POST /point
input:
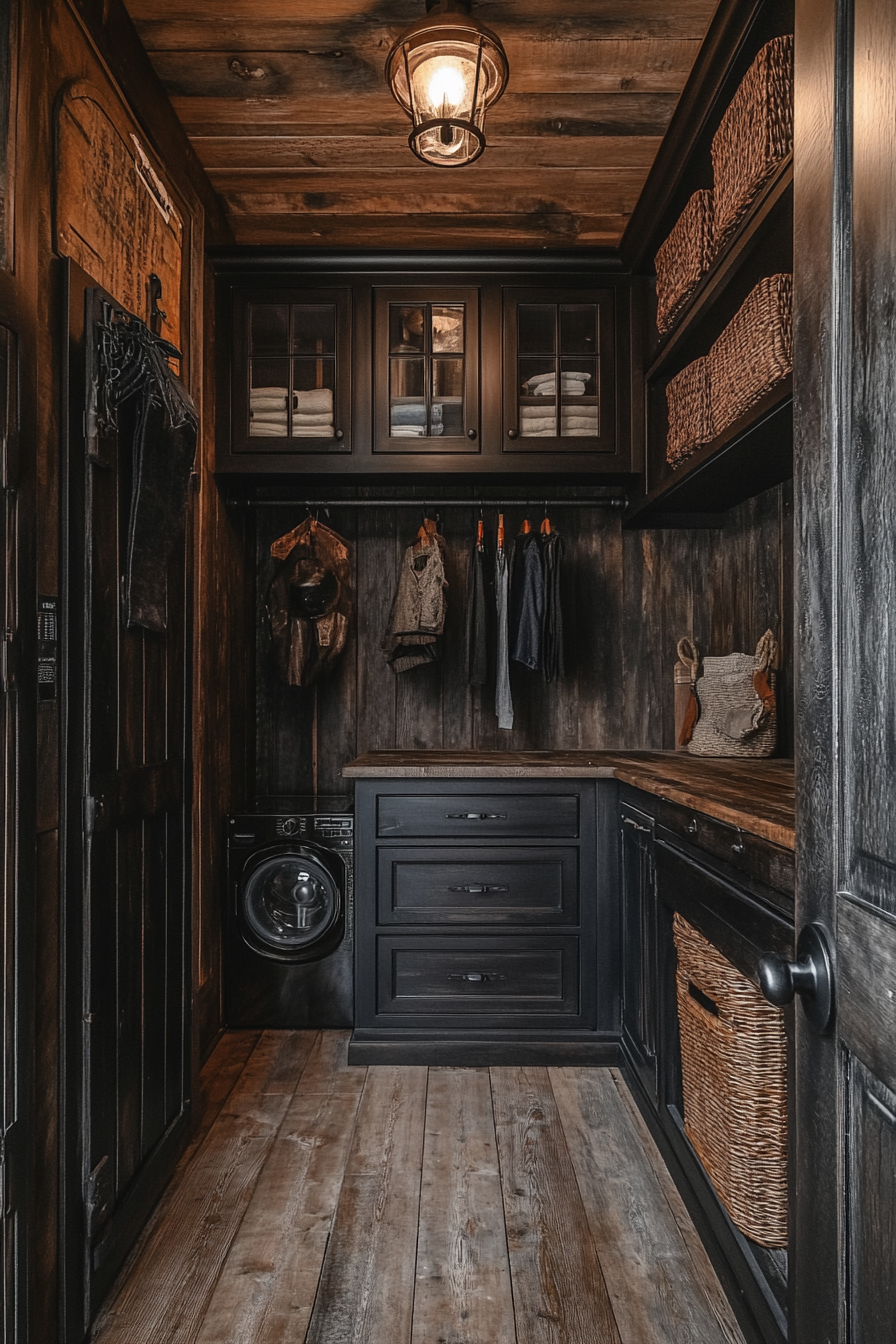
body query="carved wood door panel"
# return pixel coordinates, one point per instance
(845, 338)
(128, 943)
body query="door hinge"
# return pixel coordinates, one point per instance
(95, 814)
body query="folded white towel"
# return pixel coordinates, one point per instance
(312, 417)
(281, 393)
(312, 432)
(568, 375)
(580, 421)
(550, 390)
(319, 399)
(545, 422)
(267, 432)
(406, 431)
(538, 433)
(578, 433)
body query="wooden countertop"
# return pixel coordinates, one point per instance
(757, 796)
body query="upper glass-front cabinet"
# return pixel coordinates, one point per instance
(426, 371)
(292, 374)
(558, 371)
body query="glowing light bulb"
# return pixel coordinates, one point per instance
(446, 87)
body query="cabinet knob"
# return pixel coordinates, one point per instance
(511, 433)
(479, 890)
(471, 433)
(475, 816)
(340, 434)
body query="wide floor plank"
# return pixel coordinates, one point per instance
(558, 1288)
(646, 1264)
(366, 1288)
(165, 1296)
(463, 1293)
(267, 1287)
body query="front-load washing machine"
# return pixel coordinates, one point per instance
(288, 923)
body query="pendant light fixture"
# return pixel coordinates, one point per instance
(446, 72)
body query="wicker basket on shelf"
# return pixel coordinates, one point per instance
(754, 136)
(684, 258)
(734, 1079)
(690, 422)
(754, 352)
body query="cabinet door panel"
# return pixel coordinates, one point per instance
(291, 373)
(426, 370)
(525, 885)
(559, 371)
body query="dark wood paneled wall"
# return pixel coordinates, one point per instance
(628, 597)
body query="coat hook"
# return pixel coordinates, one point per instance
(156, 316)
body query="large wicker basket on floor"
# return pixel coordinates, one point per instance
(754, 352)
(734, 1078)
(689, 402)
(684, 258)
(754, 136)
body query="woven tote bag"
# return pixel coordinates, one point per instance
(736, 698)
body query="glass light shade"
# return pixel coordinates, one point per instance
(446, 72)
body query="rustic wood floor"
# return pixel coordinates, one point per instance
(329, 1204)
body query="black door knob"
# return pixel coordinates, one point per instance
(471, 433)
(810, 976)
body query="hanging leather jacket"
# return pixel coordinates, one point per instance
(309, 601)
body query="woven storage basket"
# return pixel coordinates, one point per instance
(690, 422)
(684, 258)
(734, 720)
(754, 136)
(734, 1078)
(754, 352)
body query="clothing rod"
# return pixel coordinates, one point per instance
(532, 502)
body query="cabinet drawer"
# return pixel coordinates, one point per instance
(759, 858)
(472, 974)
(520, 885)
(537, 816)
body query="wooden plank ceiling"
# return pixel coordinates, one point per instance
(287, 107)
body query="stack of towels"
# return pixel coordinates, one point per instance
(575, 421)
(312, 413)
(579, 422)
(408, 419)
(545, 384)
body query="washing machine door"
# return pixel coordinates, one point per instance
(291, 904)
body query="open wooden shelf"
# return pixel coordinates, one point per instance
(753, 454)
(772, 206)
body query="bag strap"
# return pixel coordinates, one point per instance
(690, 656)
(766, 652)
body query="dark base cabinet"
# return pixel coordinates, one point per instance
(481, 932)
(737, 890)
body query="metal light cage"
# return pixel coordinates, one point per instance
(448, 51)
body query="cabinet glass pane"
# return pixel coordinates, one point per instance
(268, 398)
(538, 398)
(447, 397)
(578, 329)
(580, 408)
(537, 328)
(269, 328)
(407, 400)
(314, 328)
(448, 328)
(314, 383)
(407, 329)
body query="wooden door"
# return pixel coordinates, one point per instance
(845, 379)
(126, 892)
(13, 965)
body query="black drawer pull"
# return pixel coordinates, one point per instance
(692, 826)
(477, 977)
(628, 821)
(478, 890)
(475, 816)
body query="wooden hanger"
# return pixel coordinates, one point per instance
(500, 531)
